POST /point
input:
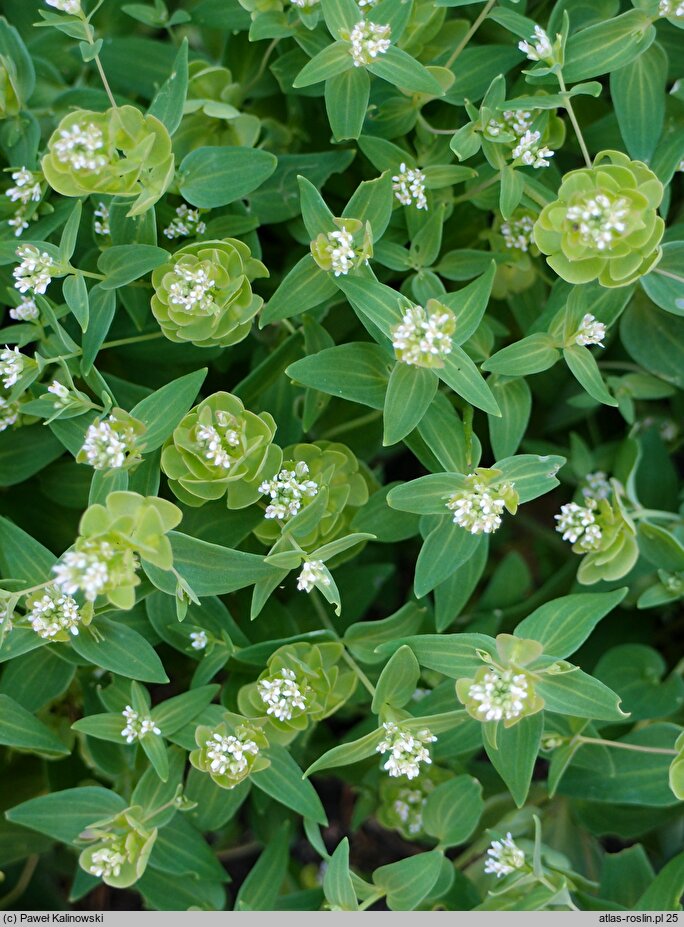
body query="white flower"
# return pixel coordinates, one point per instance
(82, 148)
(107, 443)
(479, 509)
(599, 219)
(101, 217)
(517, 233)
(199, 639)
(366, 4)
(137, 725)
(62, 394)
(187, 221)
(539, 47)
(26, 311)
(54, 612)
(216, 442)
(340, 251)
(11, 366)
(312, 572)
(35, 271)
(87, 570)
(227, 753)
(577, 524)
(502, 694)
(504, 857)
(27, 188)
(192, 289)
(517, 121)
(530, 152)
(9, 413)
(671, 8)
(368, 40)
(597, 486)
(408, 807)
(283, 695)
(590, 331)
(304, 4)
(287, 491)
(18, 222)
(423, 338)
(108, 861)
(409, 186)
(407, 750)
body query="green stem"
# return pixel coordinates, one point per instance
(22, 883)
(573, 119)
(667, 273)
(430, 128)
(369, 901)
(135, 340)
(349, 660)
(354, 423)
(470, 33)
(468, 433)
(655, 513)
(636, 748)
(264, 61)
(536, 197)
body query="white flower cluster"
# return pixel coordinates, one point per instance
(597, 486)
(480, 508)
(107, 443)
(108, 861)
(199, 640)
(366, 4)
(9, 413)
(671, 8)
(304, 4)
(54, 612)
(34, 273)
(340, 251)
(66, 6)
(137, 725)
(409, 186)
(539, 47)
(187, 221)
(516, 121)
(87, 570)
(216, 441)
(228, 753)
(420, 338)
(61, 393)
(517, 233)
(590, 331)
(504, 857)
(312, 573)
(11, 366)
(577, 524)
(599, 219)
(407, 750)
(282, 694)
(501, 694)
(531, 152)
(101, 220)
(287, 490)
(26, 191)
(82, 148)
(26, 311)
(192, 288)
(408, 807)
(368, 40)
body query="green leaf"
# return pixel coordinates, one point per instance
(453, 809)
(102, 309)
(332, 60)
(409, 880)
(580, 695)
(665, 284)
(512, 189)
(515, 401)
(454, 655)
(346, 102)
(181, 851)
(122, 264)
(216, 176)
(347, 753)
(410, 391)
(260, 890)
(564, 624)
(363, 637)
(397, 681)
(76, 297)
(103, 726)
(469, 304)
(463, 377)
(531, 355)
(583, 366)
(180, 710)
(638, 95)
(372, 202)
(447, 547)
(283, 781)
(169, 100)
(517, 748)
(607, 46)
(399, 68)
(20, 729)
(427, 495)
(66, 814)
(665, 892)
(533, 474)
(655, 340)
(22, 557)
(163, 410)
(358, 372)
(660, 548)
(304, 287)
(337, 882)
(25, 452)
(121, 650)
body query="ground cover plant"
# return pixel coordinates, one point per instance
(341, 391)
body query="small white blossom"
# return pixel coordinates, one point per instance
(599, 219)
(187, 221)
(82, 148)
(409, 807)
(578, 525)
(27, 188)
(192, 289)
(530, 152)
(107, 443)
(137, 725)
(341, 251)
(407, 750)
(26, 311)
(282, 694)
(216, 441)
(287, 491)
(61, 393)
(539, 47)
(228, 754)
(54, 612)
(11, 366)
(516, 121)
(312, 572)
(101, 220)
(597, 486)
(366, 4)
(517, 233)
(590, 331)
(368, 40)
(501, 694)
(34, 273)
(9, 413)
(409, 186)
(304, 4)
(199, 640)
(108, 861)
(479, 509)
(673, 8)
(423, 338)
(504, 857)
(86, 570)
